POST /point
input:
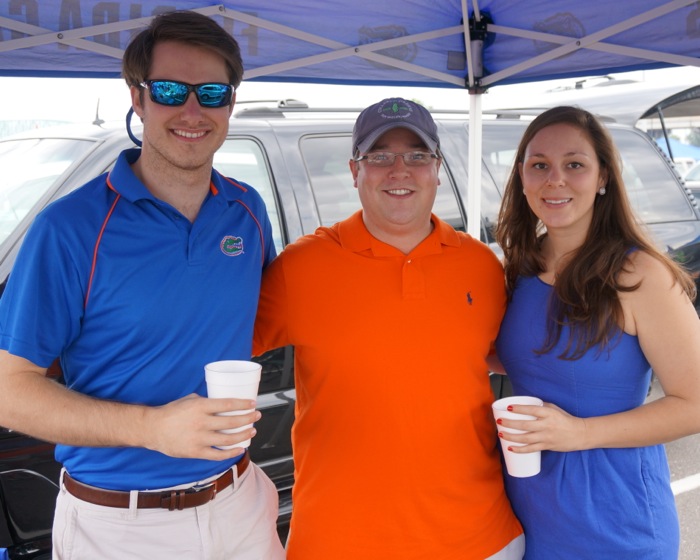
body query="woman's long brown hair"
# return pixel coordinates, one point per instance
(585, 296)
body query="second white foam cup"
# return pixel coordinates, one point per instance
(517, 464)
(237, 379)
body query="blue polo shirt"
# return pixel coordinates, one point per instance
(135, 299)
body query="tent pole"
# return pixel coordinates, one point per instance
(475, 29)
(474, 167)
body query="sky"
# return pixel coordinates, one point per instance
(76, 99)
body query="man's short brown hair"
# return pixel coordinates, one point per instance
(183, 26)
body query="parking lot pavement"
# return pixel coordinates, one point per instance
(689, 514)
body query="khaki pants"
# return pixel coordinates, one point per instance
(239, 524)
(514, 551)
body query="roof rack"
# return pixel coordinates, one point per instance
(280, 108)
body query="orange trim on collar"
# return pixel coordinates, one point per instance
(234, 183)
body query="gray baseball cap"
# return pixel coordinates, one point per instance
(390, 113)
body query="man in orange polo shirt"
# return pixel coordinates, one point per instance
(392, 314)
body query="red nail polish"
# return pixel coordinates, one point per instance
(510, 449)
(499, 421)
(510, 408)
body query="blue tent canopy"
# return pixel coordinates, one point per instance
(471, 44)
(393, 42)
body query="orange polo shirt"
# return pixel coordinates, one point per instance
(394, 443)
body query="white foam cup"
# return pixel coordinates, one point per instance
(517, 464)
(237, 379)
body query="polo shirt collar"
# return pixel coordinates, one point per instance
(123, 180)
(354, 236)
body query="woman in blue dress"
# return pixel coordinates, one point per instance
(594, 308)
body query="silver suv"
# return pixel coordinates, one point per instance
(298, 160)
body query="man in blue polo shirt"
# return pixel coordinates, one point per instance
(136, 281)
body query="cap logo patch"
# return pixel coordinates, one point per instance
(232, 246)
(395, 109)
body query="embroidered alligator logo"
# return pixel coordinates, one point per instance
(232, 246)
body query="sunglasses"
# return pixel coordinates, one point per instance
(175, 94)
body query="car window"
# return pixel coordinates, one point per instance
(446, 206)
(326, 159)
(498, 147)
(490, 206)
(651, 187)
(243, 159)
(29, 170)
(693, 174)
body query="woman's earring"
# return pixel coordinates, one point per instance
(601, 191)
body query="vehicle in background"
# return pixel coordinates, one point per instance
(297, 158)
(692, 180)
(683, 164)
(666, 112)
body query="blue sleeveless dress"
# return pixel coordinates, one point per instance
(595, 504)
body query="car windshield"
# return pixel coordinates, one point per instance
(30, 169)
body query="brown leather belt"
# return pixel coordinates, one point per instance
(167, 499)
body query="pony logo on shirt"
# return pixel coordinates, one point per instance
(232, 246)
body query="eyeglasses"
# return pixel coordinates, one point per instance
(174, 94)
(386, 159)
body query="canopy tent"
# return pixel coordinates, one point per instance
(392, 42)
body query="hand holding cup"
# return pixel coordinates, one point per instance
(233, 379)
(517, 464)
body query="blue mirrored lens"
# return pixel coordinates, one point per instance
(213, 95)
(167, 92)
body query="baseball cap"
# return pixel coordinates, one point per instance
(390, 113)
